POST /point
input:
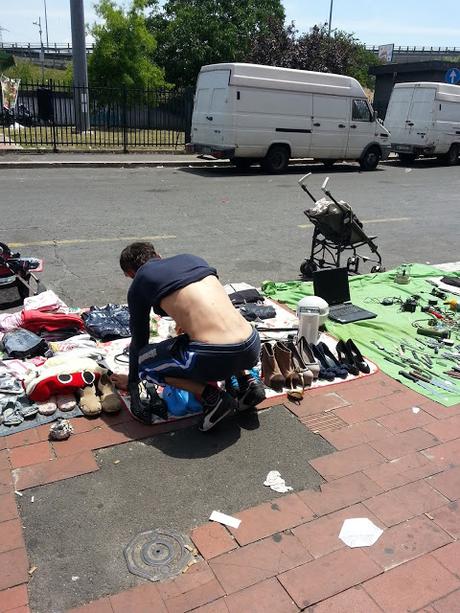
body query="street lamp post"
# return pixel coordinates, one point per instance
(330, 16)
(42, 51)
(46, 27)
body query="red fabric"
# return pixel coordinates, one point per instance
(36, 321)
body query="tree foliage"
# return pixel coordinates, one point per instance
(192, 33)
(340, 53)
(123, 50)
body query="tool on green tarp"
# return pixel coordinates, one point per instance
(378, 345)
(422, 384)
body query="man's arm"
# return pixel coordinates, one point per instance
(139, 322)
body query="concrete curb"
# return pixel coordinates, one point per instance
(114, 164)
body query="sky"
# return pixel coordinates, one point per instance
(402, 22)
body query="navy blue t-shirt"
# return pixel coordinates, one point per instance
(155, 280)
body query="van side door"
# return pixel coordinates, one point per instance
(362, 128)
(330, 126)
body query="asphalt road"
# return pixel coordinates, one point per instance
(249, 225)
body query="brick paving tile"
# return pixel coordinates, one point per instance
(404, 399)
(55, 470)
(448, 604)
(412, 585)
(13, 568)
(362, 411)
(346, 462)
(212, 540)
(400, 471)
(13, 598)
(445, 429)
(32, 454)
(449, 557)
(94, 439)
(97, 606)
(4, 460)
(218, 606)
(23, 609)
(27, 437)
(397, 445)
(317, 404)
(437, 410)
(340, 493)
(407, 541)
(405, 502)
(355, 434)
(321, 536)
(258, 561)
(194, 598)
(142, 599)
(261, 598)
(408, 420)
(270, 517)
(448, 517)
(368, 390)
(11, 535)
(8, 508)
(354, 600)
(6, 482)
(445, 455)
(327, 576)
(447, 482)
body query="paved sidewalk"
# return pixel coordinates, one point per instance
(399, 468)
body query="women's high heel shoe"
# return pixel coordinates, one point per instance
(358, 359)
(325, 372)
(307, 356)
(283, 356)
(333, 362)
(299, 365)
(271, 373)
(346, 358)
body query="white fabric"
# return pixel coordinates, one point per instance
(47, 302)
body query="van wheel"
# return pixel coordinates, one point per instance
(370, 159)
(241, 163)
(276, 160)
(407, 158)
(451, 157)
(328, 163)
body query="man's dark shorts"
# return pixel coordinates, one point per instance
(184, 359)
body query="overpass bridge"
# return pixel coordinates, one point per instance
(63, 52)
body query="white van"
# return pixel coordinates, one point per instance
(252, 113)
(424, 119)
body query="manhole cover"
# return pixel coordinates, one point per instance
(159, 554)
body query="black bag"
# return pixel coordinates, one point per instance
(246, 295)
(23, 344)
(252, 312)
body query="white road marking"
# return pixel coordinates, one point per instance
(78, 241)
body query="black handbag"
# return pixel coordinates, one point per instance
(23, 344)
(251, 312)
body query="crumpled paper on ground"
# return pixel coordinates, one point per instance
(359, 532)
(276, 483)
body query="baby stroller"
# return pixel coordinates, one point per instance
(336, 230)
(17, 271)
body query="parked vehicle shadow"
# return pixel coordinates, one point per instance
(420, 163)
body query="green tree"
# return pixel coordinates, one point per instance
(192, 33)
(123, 50)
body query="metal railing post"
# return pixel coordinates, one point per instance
(125, 119)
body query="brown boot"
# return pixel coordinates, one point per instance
(299, 365)
(270, 370)
(284, 358)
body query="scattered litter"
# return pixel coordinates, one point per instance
(17, 493)
(32, 499)
(408, 170)
(116, 462)
(276, 483)
(359, 532)
(32, 570)
(75, 578)
(227, 520)
(415, 410)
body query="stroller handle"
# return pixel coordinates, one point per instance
(324, 185)
(304, 178)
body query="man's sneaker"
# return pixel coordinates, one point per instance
(252, 396)
(213, 414)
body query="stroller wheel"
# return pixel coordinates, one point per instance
(307, 268)
(377, 268)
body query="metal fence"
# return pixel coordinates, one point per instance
(49, 116)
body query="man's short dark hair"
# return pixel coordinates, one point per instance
(136, 255)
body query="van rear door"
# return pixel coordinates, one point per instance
(211, 117)
(410, 116)
(330, 126)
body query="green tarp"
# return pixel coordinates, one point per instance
(390, 328)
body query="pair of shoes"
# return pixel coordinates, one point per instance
(223, 405)
(250, 397)
(283, 366)
(332, 368)
(103, 398)
(145, 405)
(351, 357)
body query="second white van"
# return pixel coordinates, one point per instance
(424, 120)
(252, 113)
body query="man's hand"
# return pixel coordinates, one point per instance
(120, 381)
